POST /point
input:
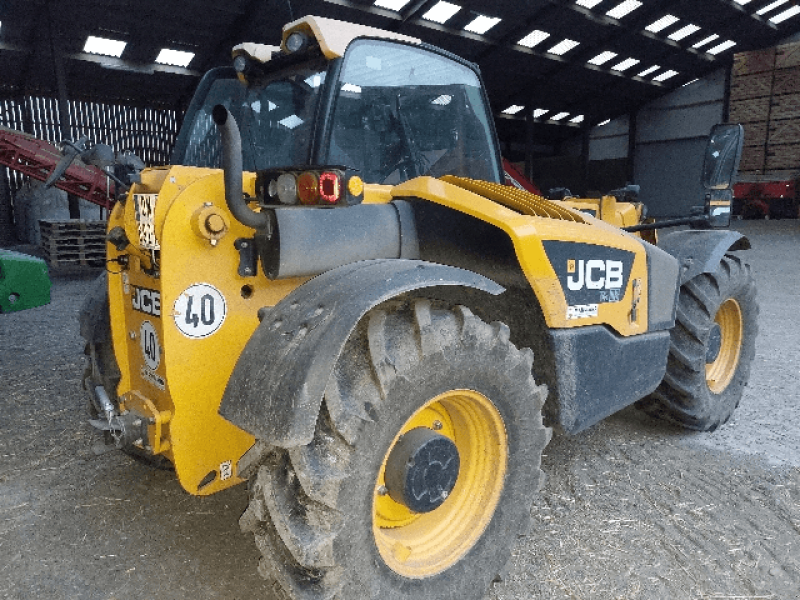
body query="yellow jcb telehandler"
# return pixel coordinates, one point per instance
(332, 296)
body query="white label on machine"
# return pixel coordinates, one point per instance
(153, 378)
(145, 218)
(151, 349)
(226, 470)
(582, 311)
(199, 311)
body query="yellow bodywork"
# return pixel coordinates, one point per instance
(193, 372)
(527, 234)
(190, 242)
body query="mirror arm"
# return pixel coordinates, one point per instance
(696, 220)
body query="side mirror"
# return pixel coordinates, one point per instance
(720, 167)
(718, 208)
(722, 157)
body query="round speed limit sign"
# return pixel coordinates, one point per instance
(199, 311)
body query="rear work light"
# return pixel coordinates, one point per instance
(313, 186)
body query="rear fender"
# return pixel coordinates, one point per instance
(700, 250)
(276, 388)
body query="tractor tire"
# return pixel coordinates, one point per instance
(711, 348)
(101, 366)
(95, 327)
(329, 518)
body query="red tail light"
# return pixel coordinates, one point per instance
(329, 187)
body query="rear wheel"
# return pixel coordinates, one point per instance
(422, 471)
(712, 346)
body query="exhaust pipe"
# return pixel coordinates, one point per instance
(232, 168)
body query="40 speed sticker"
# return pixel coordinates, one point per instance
(151, 349)
(199, 311)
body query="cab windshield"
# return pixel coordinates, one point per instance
(401, 111)
(275, 119)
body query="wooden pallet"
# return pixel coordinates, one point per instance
(784, 156)
(785, 131)
(76, 227)
(786, 106)
(787, 56)
(787, 81)
(755, 134)
(749, 111)
(746, 87)
(755, 61)
(752, 158)
(74, 243)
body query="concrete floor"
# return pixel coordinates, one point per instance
(74, 524)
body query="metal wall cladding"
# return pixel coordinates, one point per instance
(146, 132)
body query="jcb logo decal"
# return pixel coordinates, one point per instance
(595, 274)
(146, 301)
(590, 274)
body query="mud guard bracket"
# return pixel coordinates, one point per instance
(701, 250)
(276, 388)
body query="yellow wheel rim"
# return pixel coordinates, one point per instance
(719, 373)
(422, 545)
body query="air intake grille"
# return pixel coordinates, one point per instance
(515, 199)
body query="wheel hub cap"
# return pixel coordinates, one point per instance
(422, 470)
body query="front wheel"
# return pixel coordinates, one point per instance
(422, 471)
(711, 348)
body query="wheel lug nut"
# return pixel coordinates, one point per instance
(382, 491)
(437, 425)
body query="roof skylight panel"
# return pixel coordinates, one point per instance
(588, 3)
(391, 4)
(647, 72)
(105, 46)
(625, 64)
(564, 46)
(559, 116)
(481, 24)
(626, 8)
(662, 23)
(706, 41)
(602, 58)
(787, 14)
(683, 32)
(177, 58)
(513, 109)
(665, 75)
(539, 112)
(441, 12)
(534, 38)
(721, 47)
(769, 7)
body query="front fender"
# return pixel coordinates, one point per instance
(700, 250)
(276, 388)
